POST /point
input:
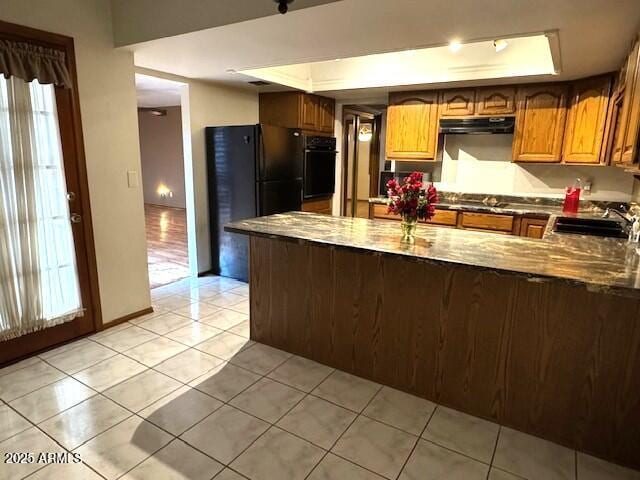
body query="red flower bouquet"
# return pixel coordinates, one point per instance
(411, 200)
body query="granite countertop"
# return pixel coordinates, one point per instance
(506, 204)
(600, 264)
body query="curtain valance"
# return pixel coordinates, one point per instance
(34, 62)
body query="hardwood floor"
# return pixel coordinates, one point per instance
(166, 244)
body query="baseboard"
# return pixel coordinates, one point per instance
(126, 318)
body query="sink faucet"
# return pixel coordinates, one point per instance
(622, 213)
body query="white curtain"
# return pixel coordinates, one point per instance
(38, 275)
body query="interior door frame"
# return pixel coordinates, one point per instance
(375, 115)
(17, 348)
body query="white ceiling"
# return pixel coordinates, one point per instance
(594, 35)
(523, 56)
(157, 92)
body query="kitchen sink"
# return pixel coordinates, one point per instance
(598, 227)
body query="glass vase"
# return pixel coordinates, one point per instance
(408, 225)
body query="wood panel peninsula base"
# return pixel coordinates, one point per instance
(555, 358)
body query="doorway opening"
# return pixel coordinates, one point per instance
(163, 120)
(361, 159)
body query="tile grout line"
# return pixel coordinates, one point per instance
(433, 412)
(183, 384)
(37, 426)
(495, 449)
(328, 451)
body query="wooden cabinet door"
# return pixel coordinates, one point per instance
(412, 126)
(382, 211)
(627, 81)
(486, 221)
(496, 101)
(632, 94)
(532, 227)
(444, 217)
(540, 118)
(457, 103)
(319, 205)
(309, 112)
(586, 120)
(326, 114)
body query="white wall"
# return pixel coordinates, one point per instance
(207, 105)
(162, 156)
(110, 126)
(482, 164)
(142, 20)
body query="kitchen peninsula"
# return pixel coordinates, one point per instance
(540, 335)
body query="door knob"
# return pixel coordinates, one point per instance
(71, 196)
(76, 218)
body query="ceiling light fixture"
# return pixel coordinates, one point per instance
(366, 133)
(455, 46)
(500, 44)
(283, 5)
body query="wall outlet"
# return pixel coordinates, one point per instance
(587, 185)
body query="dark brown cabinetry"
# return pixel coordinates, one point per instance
(308, 112)
(326, 114)
(540, 119)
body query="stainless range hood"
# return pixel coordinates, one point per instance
(477, 125)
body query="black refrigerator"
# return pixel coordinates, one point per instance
(252, 170)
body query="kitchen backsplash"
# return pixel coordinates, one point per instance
(482, 164)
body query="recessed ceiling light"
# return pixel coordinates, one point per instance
(500, 44)
(455, 46)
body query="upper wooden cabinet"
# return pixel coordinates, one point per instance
(586, 121)
(623, 144)
(309, 115)
(629, 152)
(298, 110)
(412, 126)
(495, 101)
(478, 102)
(457, 103)
(326, 114)
(540, 119)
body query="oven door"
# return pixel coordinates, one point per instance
(319, 173)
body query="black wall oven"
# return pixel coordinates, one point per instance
(319, 166)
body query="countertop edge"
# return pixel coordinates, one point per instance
(534, 278)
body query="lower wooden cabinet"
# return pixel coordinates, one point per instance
(533, 227)
(486, 221)
(320, 205)
(444, 217)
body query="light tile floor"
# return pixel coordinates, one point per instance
(184, 394)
